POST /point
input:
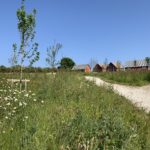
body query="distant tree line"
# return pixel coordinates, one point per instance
(66, 63)
(16, 69)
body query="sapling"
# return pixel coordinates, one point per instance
(52, 52)
(27, 50)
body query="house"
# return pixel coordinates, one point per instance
(104, 66)
(83, 68)
(97, 68)
(137, 65)
(119, 66)
(111, 67)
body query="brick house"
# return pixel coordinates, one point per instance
(83, 68)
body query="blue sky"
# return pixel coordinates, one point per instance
(97, 29)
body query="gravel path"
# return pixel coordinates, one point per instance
(138, 95)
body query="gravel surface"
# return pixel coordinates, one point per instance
(140, 96)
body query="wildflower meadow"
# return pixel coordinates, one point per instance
(65, 112)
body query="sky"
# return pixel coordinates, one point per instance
(87, 29)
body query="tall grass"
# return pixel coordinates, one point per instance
(136, 78)
(76, 115)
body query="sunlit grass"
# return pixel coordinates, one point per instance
(76, 115)
(135, 78)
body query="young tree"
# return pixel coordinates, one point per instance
(28, 50)
(66, 63)
(52, 52)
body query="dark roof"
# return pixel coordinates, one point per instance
(104, 66)
(112, 64)
(80, 67)
(98, 65)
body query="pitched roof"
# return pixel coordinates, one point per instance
(98, 65)
(112, 64)
(136, 63)
(80, 67)
(106, 65)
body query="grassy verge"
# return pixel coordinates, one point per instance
(134, 78)
(73, 114)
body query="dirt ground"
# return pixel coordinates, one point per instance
(140, 96)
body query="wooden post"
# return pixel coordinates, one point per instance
(12, 83)
(25, 85)
(16, 80)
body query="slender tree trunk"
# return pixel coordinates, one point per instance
(22, 60)
(21, 76)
